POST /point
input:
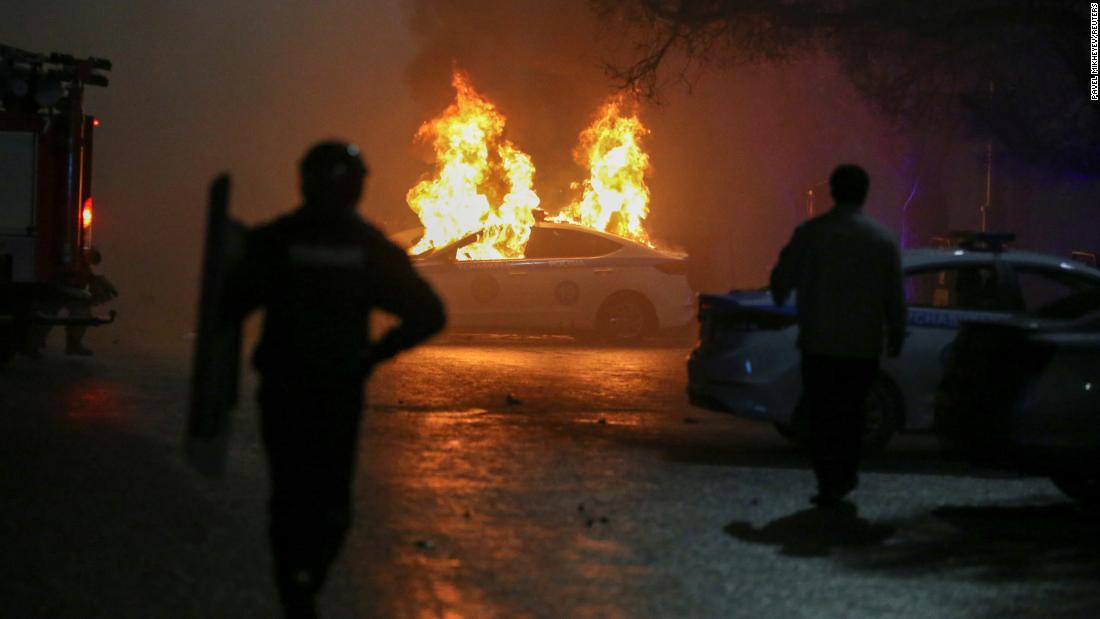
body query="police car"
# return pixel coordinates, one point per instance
(746, 362)
(1023, 394)
(571, 279)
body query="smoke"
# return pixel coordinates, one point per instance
(732, 159)
(539, 62)
(207, 86)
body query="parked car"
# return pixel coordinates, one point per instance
(571, 279)
(746, 362)
(1024, 395)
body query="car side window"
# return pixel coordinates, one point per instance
(1044, 290)
(549, 243)
(966, 287)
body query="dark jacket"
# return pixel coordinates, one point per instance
(319, 274)
(846, 271)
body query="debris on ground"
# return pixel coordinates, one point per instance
(591, 521)
(512, 400)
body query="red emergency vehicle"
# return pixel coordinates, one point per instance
(46, 204)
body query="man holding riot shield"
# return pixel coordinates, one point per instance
(318, 272)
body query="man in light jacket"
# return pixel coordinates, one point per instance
(845, 269)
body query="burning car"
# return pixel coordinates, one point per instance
(569, 279)
(503, 264)
(747, 364)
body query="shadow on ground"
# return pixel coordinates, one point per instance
(1055, 546)
(814, 532)
(999, 543)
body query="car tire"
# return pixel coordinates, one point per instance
(1085, 490)
(625, 318)
(884, 418)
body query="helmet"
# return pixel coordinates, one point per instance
(332, 174)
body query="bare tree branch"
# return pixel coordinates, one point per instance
(928, 62)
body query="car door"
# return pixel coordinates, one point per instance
(563, 276)
(940, 297)
(477, 293)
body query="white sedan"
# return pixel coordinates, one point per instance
(571, 279)
(747, 364)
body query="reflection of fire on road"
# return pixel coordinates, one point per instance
(483, 183)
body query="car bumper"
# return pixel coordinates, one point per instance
(678, 311)
(764, 398)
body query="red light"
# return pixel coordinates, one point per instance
(86, 213)
(95, 122)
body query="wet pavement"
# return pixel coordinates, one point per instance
(512, 477)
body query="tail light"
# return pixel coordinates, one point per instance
(672, 267)
(86, 223)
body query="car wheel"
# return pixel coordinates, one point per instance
(883, 411)
(625, 318)
(1084, 490)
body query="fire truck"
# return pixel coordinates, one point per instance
(46, 204)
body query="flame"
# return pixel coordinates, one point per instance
(482, 182)
(615, 196)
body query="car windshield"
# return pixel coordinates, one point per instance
(548, 243)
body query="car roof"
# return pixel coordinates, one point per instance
(630, 244)
(561, 225)
(917, 258)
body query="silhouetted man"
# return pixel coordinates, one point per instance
(846, 271)
(319, 271)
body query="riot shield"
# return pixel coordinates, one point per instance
(217, 353)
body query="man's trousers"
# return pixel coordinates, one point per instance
(310, 432)
(835, 391)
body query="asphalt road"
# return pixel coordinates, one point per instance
(511, 477)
